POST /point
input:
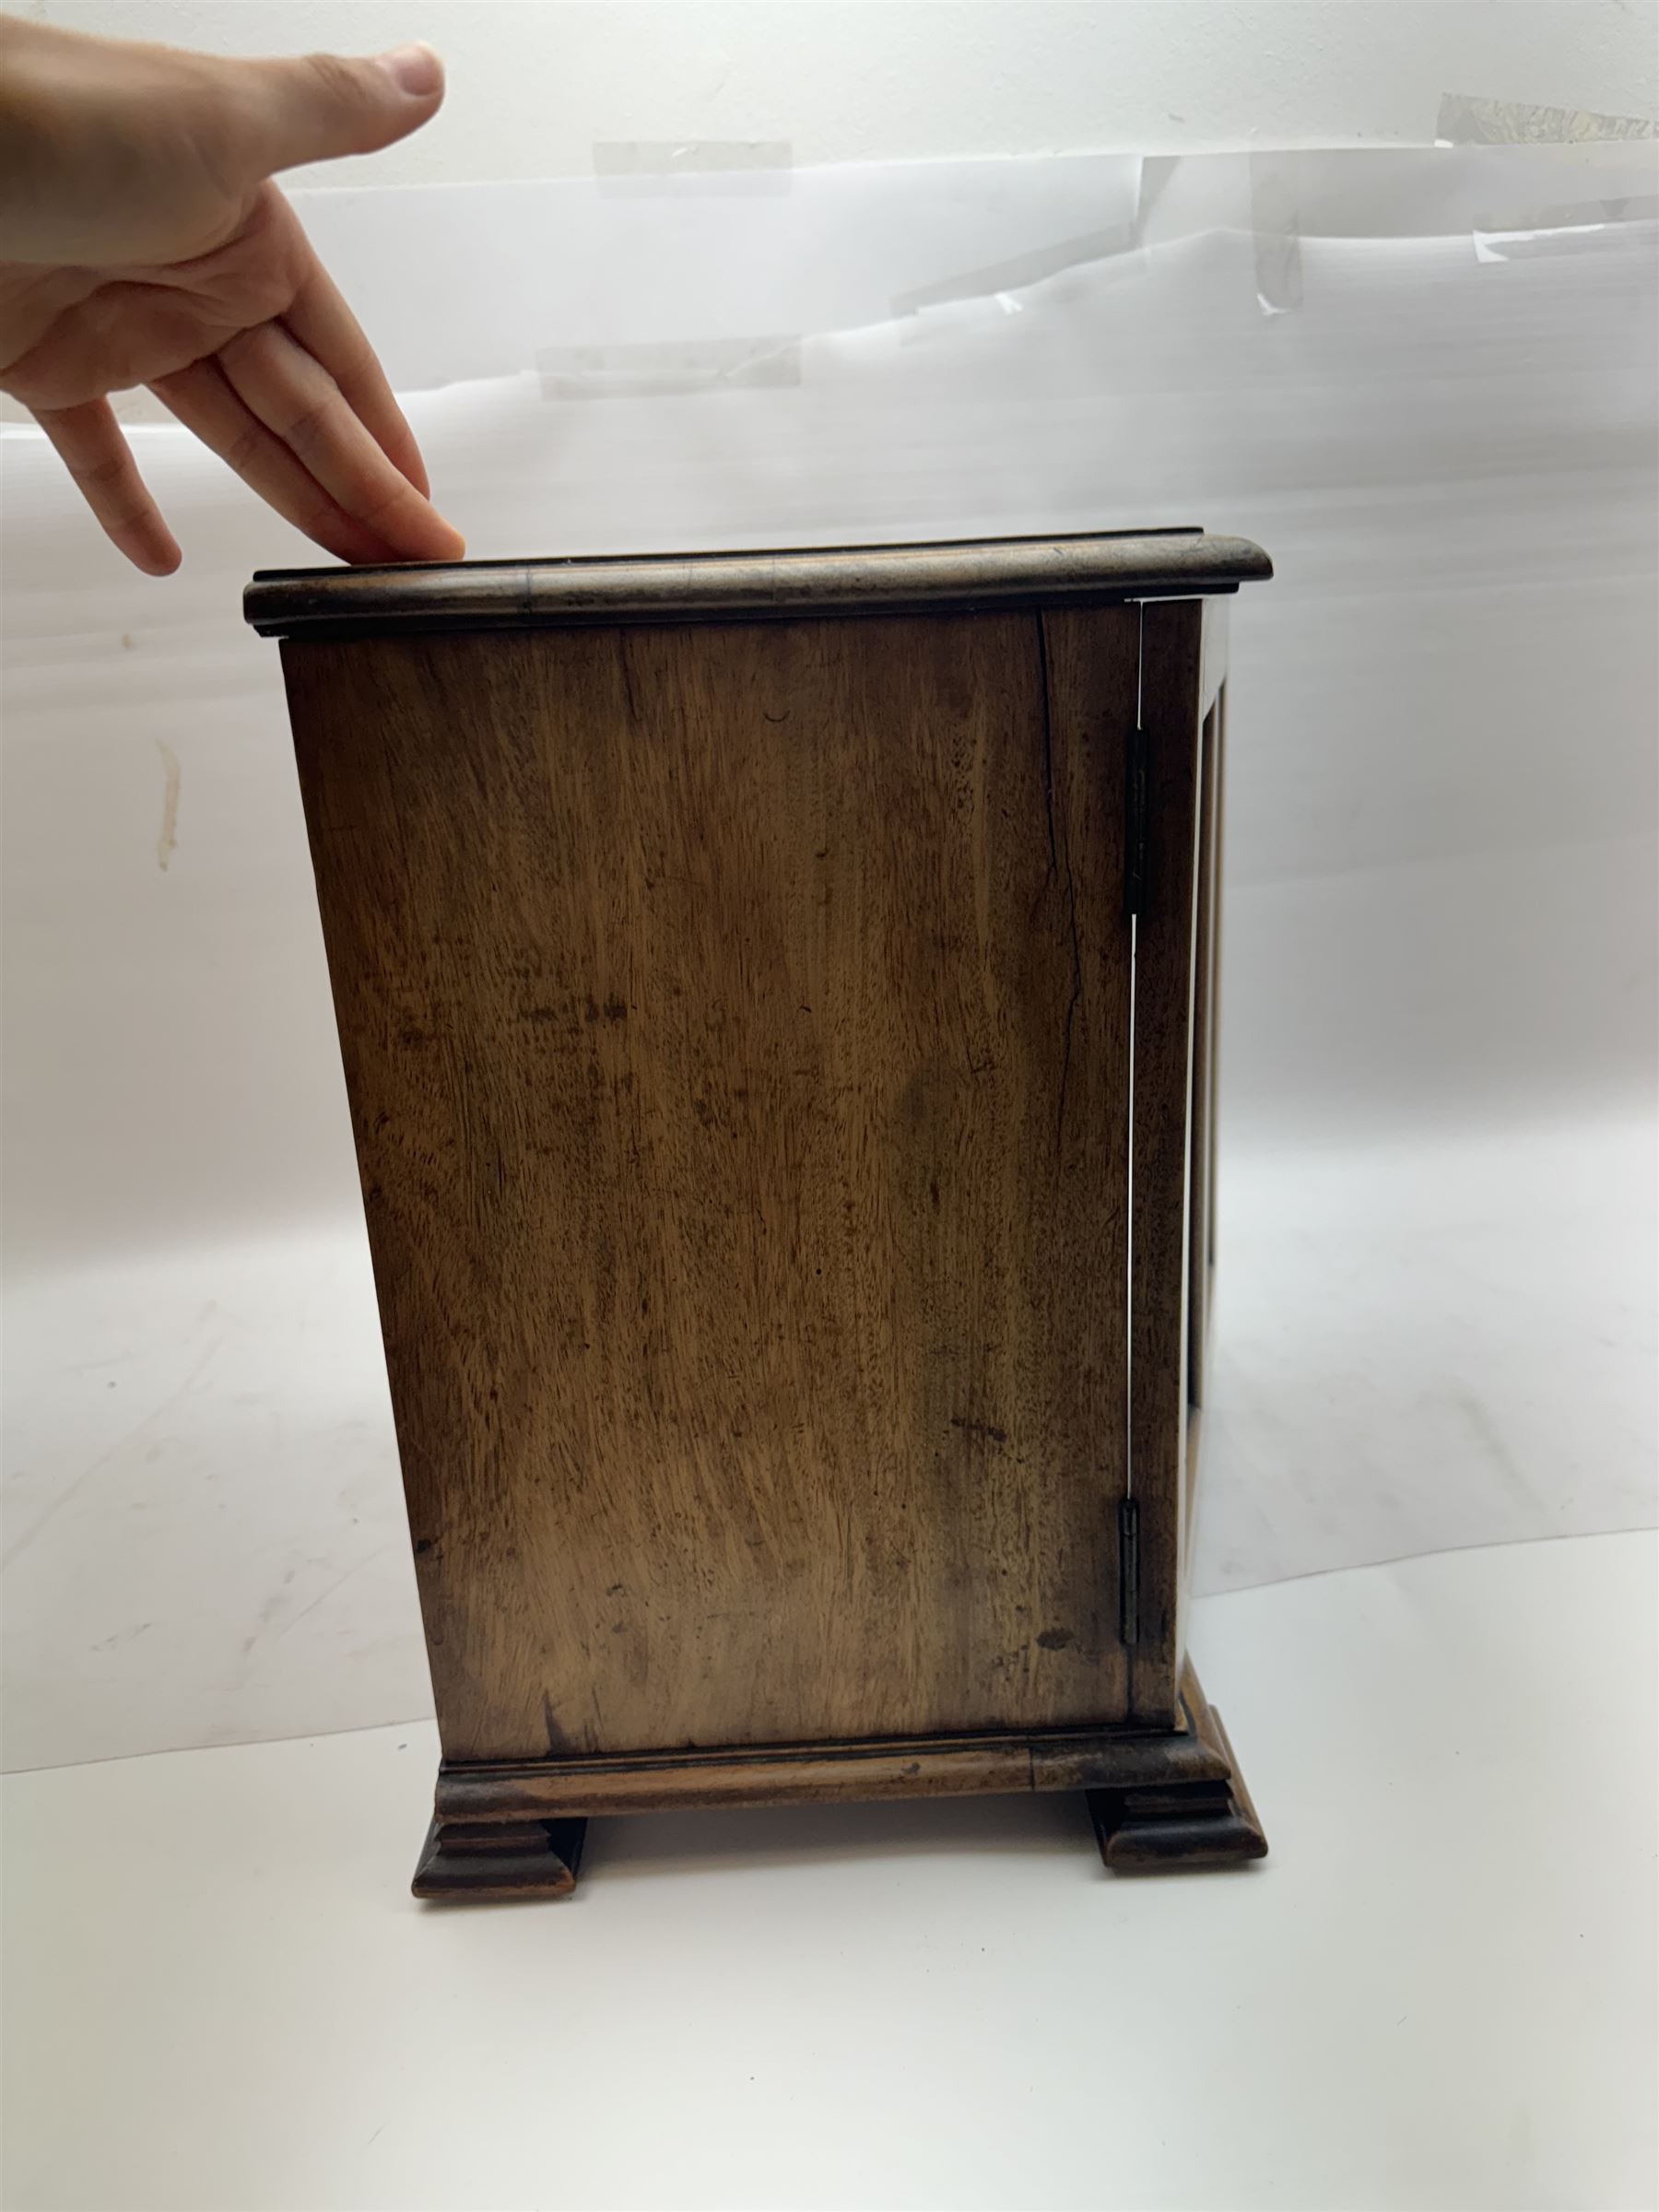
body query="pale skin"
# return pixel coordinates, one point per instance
(145, 244)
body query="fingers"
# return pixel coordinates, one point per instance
(323, 324)
(318, 106)
(205, 403)
(89, 440)
(295, 397)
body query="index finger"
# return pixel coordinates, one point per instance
(89, 442)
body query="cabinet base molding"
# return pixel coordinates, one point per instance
(1165, 1798)
(485, 1860)
(1191, 1825)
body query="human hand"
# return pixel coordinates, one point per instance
(146, 244)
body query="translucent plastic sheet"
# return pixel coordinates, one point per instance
(1424, 381)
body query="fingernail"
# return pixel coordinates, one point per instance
(413, 69)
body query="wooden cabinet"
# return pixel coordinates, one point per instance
(776, 997)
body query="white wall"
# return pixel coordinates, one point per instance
(535, 83)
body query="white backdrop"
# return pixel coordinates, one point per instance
(1424, 381)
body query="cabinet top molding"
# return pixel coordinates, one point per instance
(960, 577)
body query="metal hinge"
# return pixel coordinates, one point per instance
(1134, 826)
(1128, 1570)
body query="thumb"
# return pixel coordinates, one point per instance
(318, 106)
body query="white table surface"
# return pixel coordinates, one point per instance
(1439, 1992)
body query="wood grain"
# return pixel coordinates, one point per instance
(1091, 566)
(1215, 970)
(1191, 1826)
(1203, 1098)
(1212, 670)
(736, 1024)
(826, 1773)
(1206, 1095)
(731, 963)
(1172, 644)
(499, 1861)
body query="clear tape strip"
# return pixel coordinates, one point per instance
(1557, 230)
(1463, 120)
(667, 368)
(1276, 223)
(1014, 274)
(712, 168)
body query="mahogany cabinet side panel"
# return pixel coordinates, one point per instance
(735, 1026)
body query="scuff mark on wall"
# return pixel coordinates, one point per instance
(170, 806)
